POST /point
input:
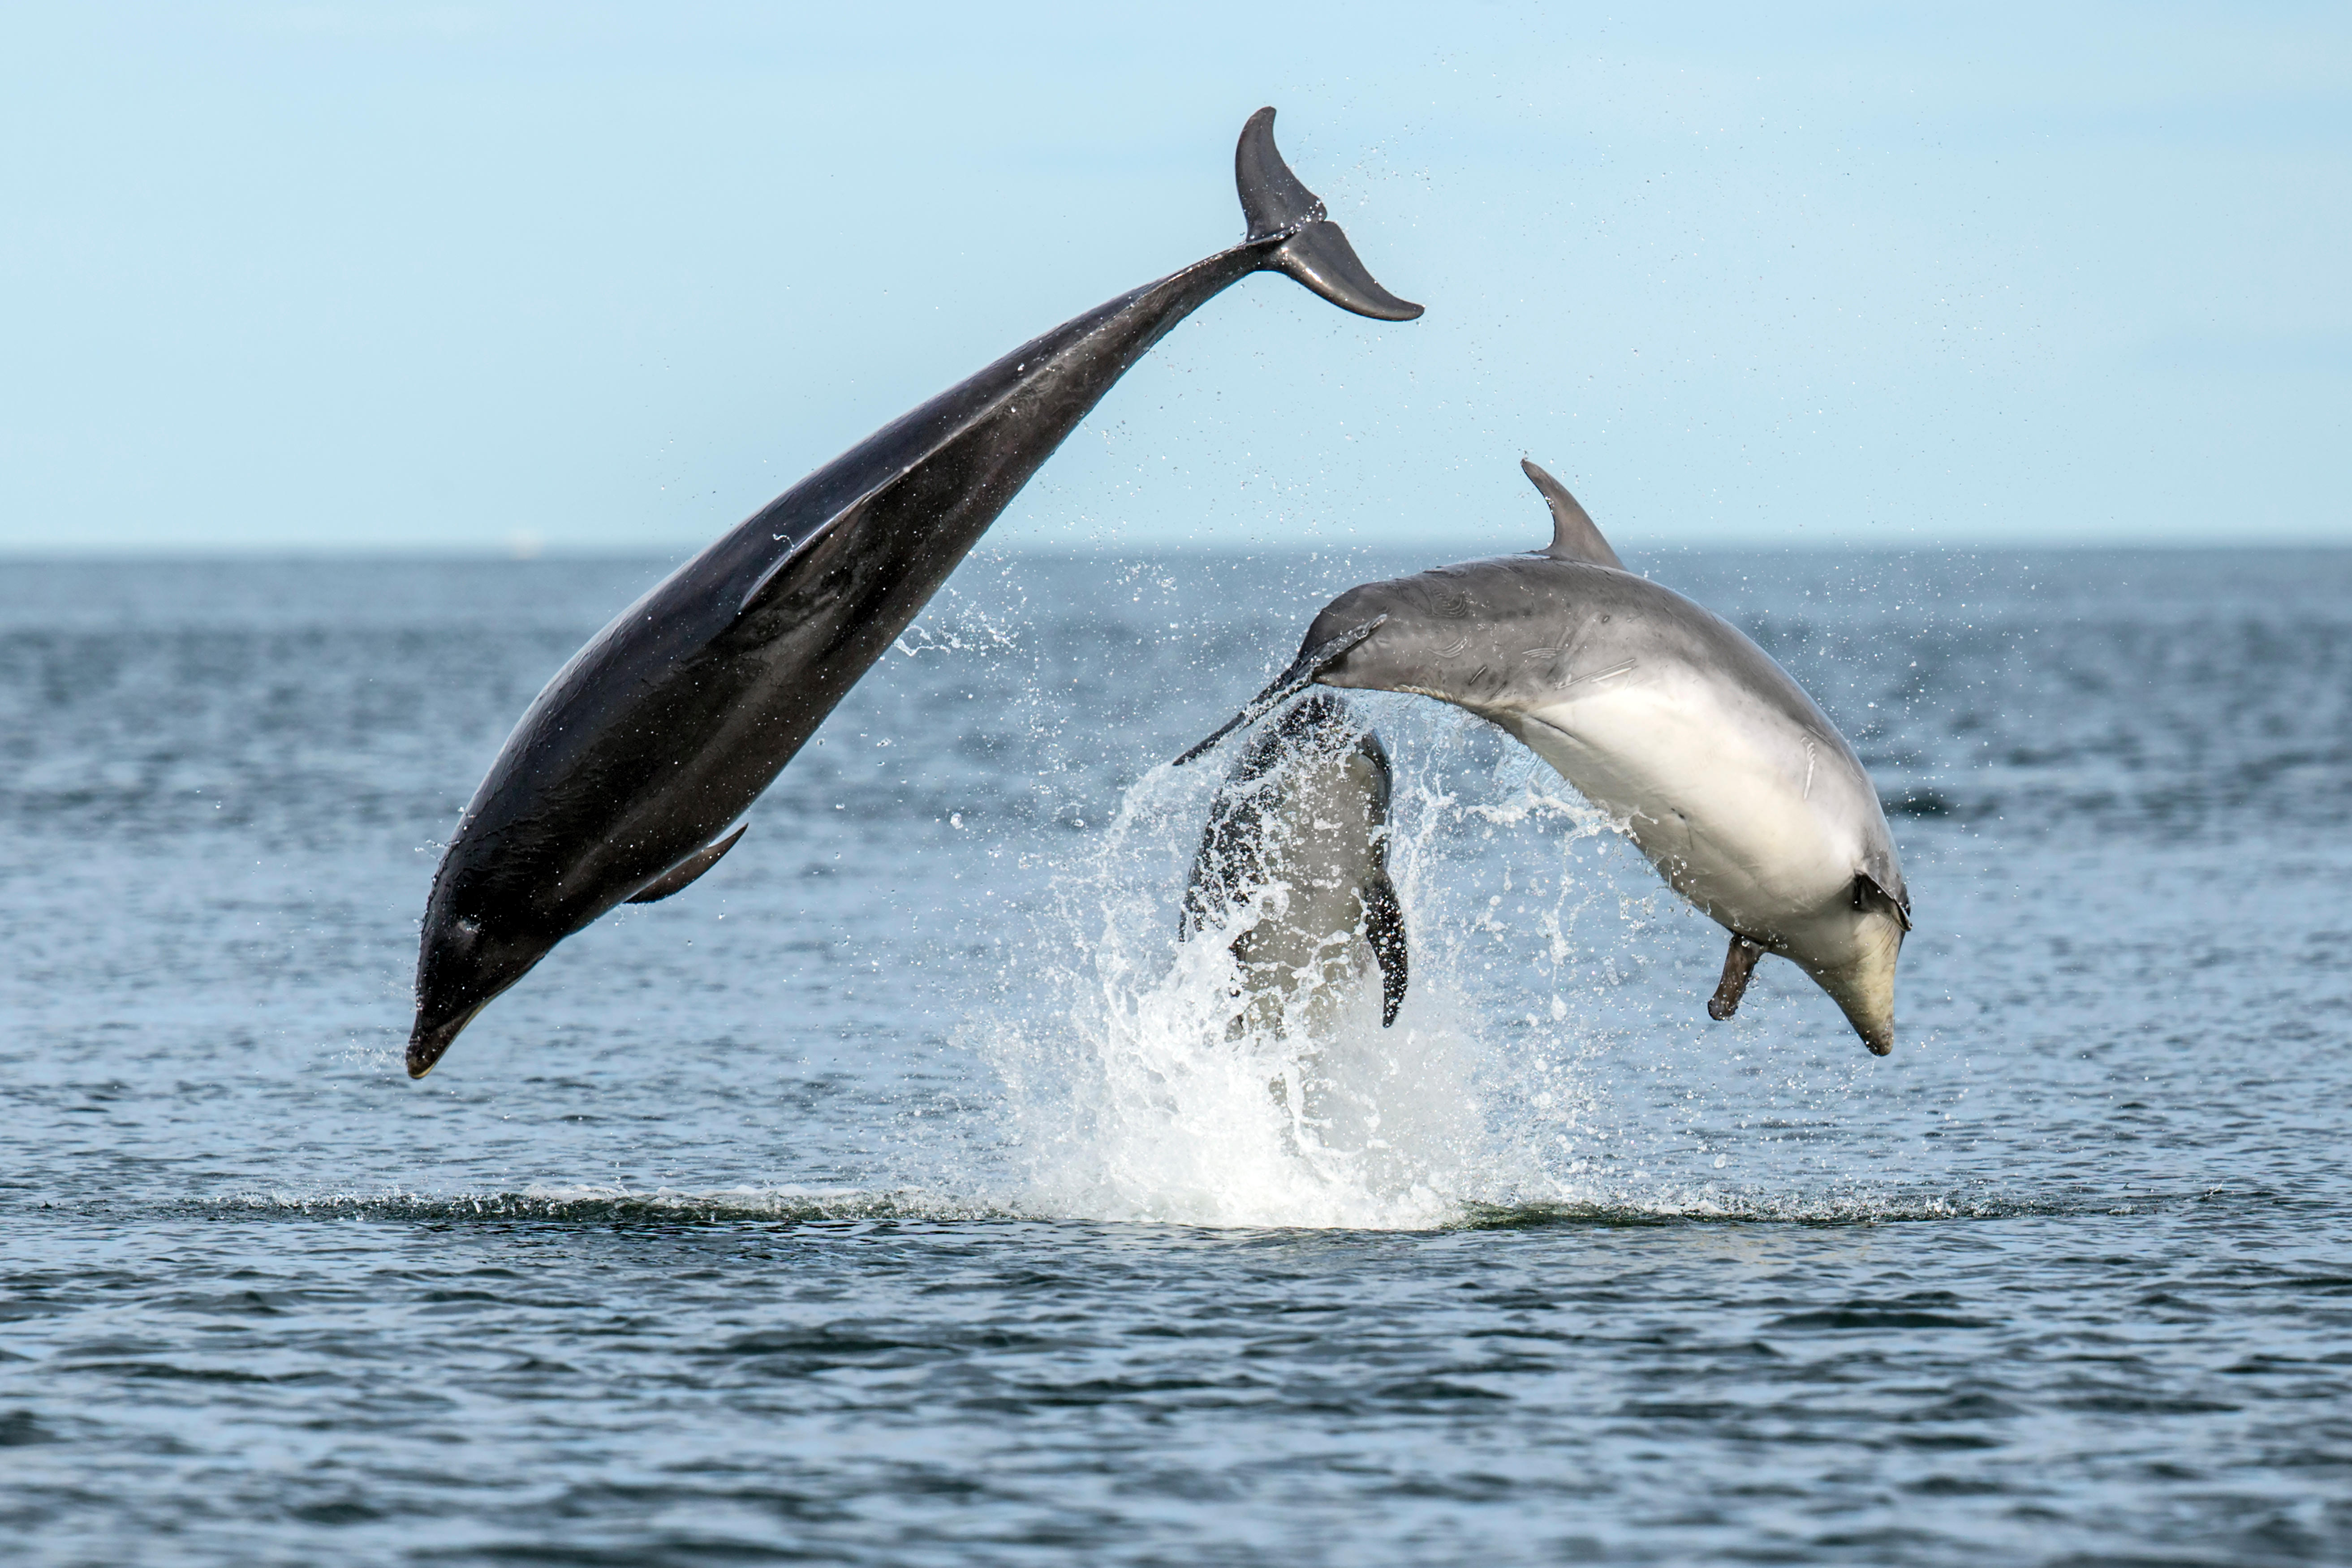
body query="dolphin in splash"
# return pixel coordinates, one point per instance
(1664, 715)
(623, 779)
(1294, 867)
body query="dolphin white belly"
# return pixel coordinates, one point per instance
(1719, 805)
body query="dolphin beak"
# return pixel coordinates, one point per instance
(1870, 1009)
(428, 1042)
(1863, 988)
(1288, 684)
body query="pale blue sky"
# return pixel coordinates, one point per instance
(445, 277)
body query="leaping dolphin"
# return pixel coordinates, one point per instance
(1296, 854)
(623, 777)
(1710, 758)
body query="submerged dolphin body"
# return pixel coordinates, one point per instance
(620, 780)
(1721, 769)
(1296, 851)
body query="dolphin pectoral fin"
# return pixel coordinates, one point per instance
(678, 877)
(1869, 894)
(1291, 681)
(1737, 965)
(1384, 929)
(775, 576)
(1314, 251)
(1574, 535)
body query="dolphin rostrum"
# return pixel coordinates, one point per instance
(1710, 758)
(1295, 855)
(622, 778)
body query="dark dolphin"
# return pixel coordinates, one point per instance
(1710, 758)
(621, 781)
(1303, 812)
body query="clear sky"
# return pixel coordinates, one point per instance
(438, 276)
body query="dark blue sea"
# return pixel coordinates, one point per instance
(893, 1197)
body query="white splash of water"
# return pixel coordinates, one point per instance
(1135, 1093)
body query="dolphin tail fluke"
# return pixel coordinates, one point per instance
(1312, 249)
(1320, 257)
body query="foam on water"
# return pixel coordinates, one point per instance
(591, 1205)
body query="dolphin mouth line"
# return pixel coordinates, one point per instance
(426, 1049)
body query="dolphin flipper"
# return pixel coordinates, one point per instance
(678, 877)
(1737, 965)
(1868, 890)
(774, 577)
(1574, 535)
(1314, 251)
(1384, 929)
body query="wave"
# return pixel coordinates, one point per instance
(668, 1209)
(616, 1206)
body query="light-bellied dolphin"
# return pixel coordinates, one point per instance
(622, 778)
(1727, 775)
(1295, 855)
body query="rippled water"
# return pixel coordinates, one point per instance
(892, 1196)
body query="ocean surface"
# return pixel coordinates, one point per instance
(894, 1195)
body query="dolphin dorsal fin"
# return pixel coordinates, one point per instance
(1573, 535)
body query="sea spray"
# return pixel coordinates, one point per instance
(1136, 1091)
(1553, 1050)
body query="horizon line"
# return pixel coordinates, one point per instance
(225, 554)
